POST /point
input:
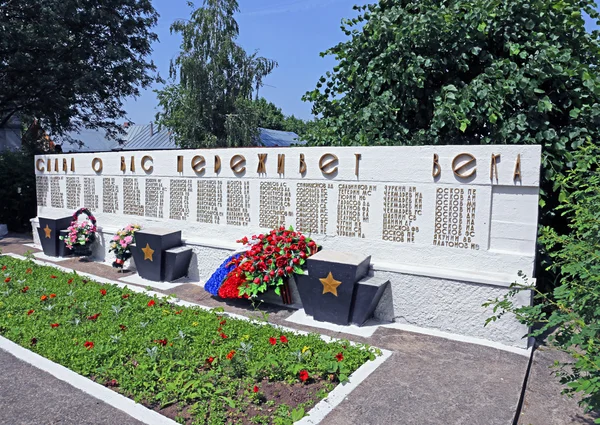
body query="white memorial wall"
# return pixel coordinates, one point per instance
(450, 225)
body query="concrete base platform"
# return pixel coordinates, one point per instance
(136, 279)
(301, 318)
(44, 257)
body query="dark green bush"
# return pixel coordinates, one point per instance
(18, 203)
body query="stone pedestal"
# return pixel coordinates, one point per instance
(177, 262)
(367, 294)
(49, 232)
(149, 251)
(330, 284)
(63, 250)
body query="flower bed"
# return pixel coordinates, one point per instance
(193, 365)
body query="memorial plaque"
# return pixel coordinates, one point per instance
(455, 218)
(57, 198)
(354, 209)
(238, 203)
(110, 195)
(180, 199)
(90, 198)
(132, 204)
(275, 204)
(312, 213)
(73, 193)
(41, 190)
(209, 201)
(402, 206)
(155, 198)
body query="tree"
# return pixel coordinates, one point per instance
(70, 64)
(211, 78)
(465, 72)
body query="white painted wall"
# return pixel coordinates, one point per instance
(434, 286)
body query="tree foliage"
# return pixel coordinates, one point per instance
(464, 72)
(70, 63)
(572, 310)
(211, 78)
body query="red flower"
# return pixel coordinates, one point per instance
(55, 325)
(28, 271)
(112, 383)
(33, 341)
(281, 262)
(125, 296)
(210, 360)
(162, 342)
(151, 303)
(222, 322)
(179, 312)
(255, 389)
(339, 357)
(123, 327)
(52, 277)
(52, 295)
(272, 341)
(70, 281)
(30, 312)
(43, 298)
(223, 335)
(230, 355)
(25, 289)
(7, 280)
(303, 376)
(289, 269)
(103, 292)
(88, 344)
(3, 268)
(94, 317)
(283, 339)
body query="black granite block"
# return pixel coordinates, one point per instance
(337, 274)
(177, 262)
(367, 294)
(64, 250)
(49, 231)
(308, 290)
(148, 251)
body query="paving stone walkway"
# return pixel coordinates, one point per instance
(427, 380)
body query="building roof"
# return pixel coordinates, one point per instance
(148, 137)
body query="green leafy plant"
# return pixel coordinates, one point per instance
(571, 313)
(162, 354)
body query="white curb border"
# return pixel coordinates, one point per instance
(110, 397)
(150, 417)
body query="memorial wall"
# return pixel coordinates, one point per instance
(452, 212)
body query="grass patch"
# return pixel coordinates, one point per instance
(193, 365)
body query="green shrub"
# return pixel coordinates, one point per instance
(18, 201)
(572, 311)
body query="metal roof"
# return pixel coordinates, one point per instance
(274, 138)
(148, 137)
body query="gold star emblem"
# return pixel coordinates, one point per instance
(330, 284)
(148, 252)
(48, 231)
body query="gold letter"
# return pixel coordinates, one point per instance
(302, 164)
(331, 162)
(123, 166)
(180, 163)
(56, 164)
(437, 170)
(151, 167)
(262, 167)
(281, 163)
(494, 167)
(237, 164)
(97, 165)
(38, 164)
(358, 157)
(198, 163)
(65, 167)
(132, 166)
(459, 168)
(73, 164)
(517, 174)
(49, 164)
(217, 163)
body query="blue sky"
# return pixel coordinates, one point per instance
(292, 32)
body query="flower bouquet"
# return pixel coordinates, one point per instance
(121, 242)
(82, 234)
(270, 259)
